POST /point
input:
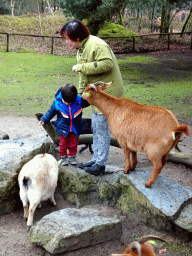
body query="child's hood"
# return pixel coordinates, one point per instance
(58, 95)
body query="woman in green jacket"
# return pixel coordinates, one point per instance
(95, 62)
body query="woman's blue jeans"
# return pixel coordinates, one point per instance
(101, 138)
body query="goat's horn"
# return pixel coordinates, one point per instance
(118, 254)
(98, 83)
(92, 86)
(137, 246)
(147, 238)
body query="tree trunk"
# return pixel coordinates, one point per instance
(49, 7)
(54, 5)
(165, 17)
(152, 15)
(12, 7)
(42, 6)
(139, 23)
(187, 20)
(21, 8)
(39, 17)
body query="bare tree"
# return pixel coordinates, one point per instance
(39, 16)
(186, 22)
(49, 7)
(12, 7)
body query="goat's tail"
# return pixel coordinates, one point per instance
(150, 237)
(183, 128)
(42, 155)
(26, 182)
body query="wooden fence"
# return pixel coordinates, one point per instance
(140, 43)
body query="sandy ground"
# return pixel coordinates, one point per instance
(13, 231)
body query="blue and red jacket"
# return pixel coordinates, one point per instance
(68, 115)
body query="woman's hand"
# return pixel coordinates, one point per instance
(75, 68)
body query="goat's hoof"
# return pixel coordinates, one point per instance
(132, 168)
(28, 227)
(25, 217)
(147, 185)
(127, 171)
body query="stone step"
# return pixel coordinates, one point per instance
(166, 205)
(71, 229)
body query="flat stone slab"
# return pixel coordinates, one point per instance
(70, 229)
(172, 199)
(165, 195)
(166, 200)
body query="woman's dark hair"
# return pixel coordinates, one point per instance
(75, 29)
(69, 93)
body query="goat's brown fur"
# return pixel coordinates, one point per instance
(150, 129)
(141, 247)
(146, 249)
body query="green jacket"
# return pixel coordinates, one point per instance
(96, 62)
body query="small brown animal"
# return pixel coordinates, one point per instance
(150, 129)
(141, 247)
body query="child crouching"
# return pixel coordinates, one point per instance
(68, 107)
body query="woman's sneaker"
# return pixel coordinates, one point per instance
(72, 160)
(96, 169)
(87, 164)
(63, 161)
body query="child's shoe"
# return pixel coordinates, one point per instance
(63, 161)
(72, 160)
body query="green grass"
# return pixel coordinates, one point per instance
(149, 80)
(29, 81)
(178, 248)
(115, 30)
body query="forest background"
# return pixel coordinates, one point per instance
(175, 14)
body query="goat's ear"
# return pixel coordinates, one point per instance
(105, 85)
(99, 83)
(102, 85)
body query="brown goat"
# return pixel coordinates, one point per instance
(141, 247)
(138, 128)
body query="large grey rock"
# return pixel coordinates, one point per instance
(13, 155)
(166, 205)
(81, 188)
(171, 199)
(71, 229)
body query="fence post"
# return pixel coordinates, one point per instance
(133, 44)
(52, 43)
(168, 42)
(7, 50)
